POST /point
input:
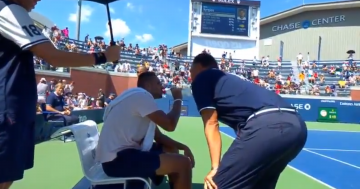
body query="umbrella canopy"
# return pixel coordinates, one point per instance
(104, 2)
(350, 52)
(99, 38)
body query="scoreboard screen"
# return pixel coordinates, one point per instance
(327, 114)
(225, 19)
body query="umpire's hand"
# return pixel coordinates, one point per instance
(112, 53)
(208, 181)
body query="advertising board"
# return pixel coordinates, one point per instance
(310, 109)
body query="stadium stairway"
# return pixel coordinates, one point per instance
(296, 70)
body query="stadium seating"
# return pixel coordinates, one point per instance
(287, 68)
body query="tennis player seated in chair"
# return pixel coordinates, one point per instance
(126, 147)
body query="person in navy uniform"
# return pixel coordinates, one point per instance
(109, 99)
(20, 41)
(55, 103)
(270, 133)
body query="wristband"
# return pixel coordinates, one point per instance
(177, 100)
(100, 58)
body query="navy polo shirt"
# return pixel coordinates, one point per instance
(18, 93)
(234, 99)
(108, 100)
(56, 101)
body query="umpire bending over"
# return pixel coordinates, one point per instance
(270, 133)
(20, 40)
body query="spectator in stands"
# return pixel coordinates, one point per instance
(65, 32)
(109, 99)
(279, 60)
(328, 90)
(82, 101)
(314, 66)
(299, 58)
(52, 84)
(322, 79)
(55, 103)
(68, 87)
(42, 89)
(324, 68)
(98, 103)
(271, 74)
(302, 76)
(342, 83)
(101, 97)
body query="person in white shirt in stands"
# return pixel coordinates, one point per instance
(126, 123)
(299, 58)
(42, 89)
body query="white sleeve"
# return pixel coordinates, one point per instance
(17, 26)
(144, 104)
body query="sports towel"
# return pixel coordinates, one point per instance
(150, 134)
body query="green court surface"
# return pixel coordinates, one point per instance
(57, 164)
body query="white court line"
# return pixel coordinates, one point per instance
(342, 131)
(297, 170)
(343, 162)
(319, 130)
(334, 150)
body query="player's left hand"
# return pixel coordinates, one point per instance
(189, 154)
(208, 181)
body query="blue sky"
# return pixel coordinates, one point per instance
(147, 22)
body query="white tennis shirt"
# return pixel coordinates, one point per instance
(126, 126)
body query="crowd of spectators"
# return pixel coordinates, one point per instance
(57, 100)
(329, 79)
(173, 70)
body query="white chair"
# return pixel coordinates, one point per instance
(87, 136)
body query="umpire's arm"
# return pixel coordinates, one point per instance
(203, 91)
(17, 26)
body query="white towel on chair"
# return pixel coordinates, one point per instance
(150, 134)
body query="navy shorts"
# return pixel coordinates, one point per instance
(261, 151)
(135, 163)
(17, 145)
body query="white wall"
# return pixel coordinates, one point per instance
(240, 49)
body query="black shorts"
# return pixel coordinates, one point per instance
(261, 151)
(136, 163)
(17, 145)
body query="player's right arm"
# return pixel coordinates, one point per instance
(17, 26)
(146, 106)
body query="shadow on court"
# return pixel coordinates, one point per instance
(165, 185)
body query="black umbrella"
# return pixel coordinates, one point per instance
(350, 52)
(99, 38)
(106, 3)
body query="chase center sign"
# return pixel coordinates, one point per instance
(309, 23)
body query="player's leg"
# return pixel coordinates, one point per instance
(260, 144)
(136, 163)
(5, 185)
(16, 150)
(171, 150)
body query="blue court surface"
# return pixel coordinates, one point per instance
(331, 158)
